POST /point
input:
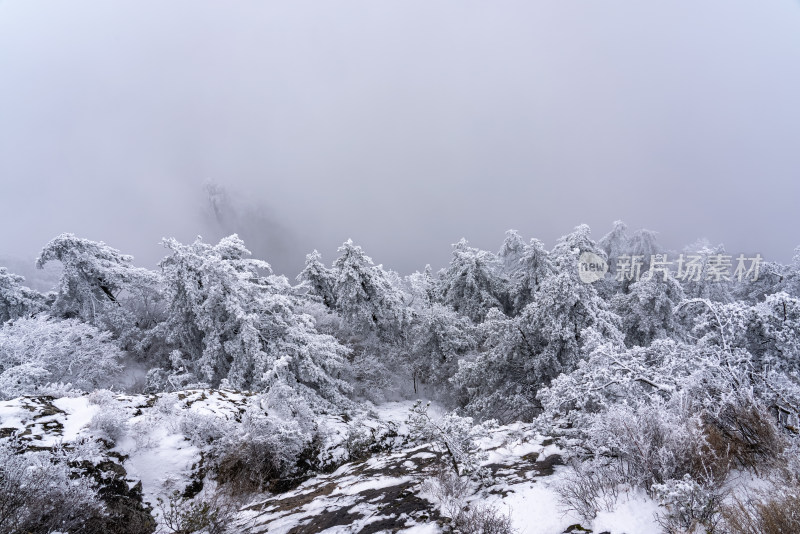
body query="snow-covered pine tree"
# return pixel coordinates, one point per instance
(472, 284)
(645, 244)
(17, 300)
(101, 286)
(615, 243)
(422, 288)
(511, 252)
(647, 310)
(500, 382)
(318, 279)
(439, 338)
(696, 273)
(772, 278)
(534, 267)
(523, 353)
(791, 282)
(236, 325)
(628, 256)
(366, 297)
(93, 277)
(769, 330)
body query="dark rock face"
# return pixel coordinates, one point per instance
(126, 512)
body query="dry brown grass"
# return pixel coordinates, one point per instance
(776, 514)
(740, 436)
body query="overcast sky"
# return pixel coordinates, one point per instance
(404, 125)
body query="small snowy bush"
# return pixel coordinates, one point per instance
(652, 443)
(101, 397)
(590, 487)
(204, 429)
(38, 351)
(457, 436)
(482, 518)
(451, 492)
(362, 440)
(272, 447)
(41, 493)
(689, 506)
(111, 421)
(181, 515)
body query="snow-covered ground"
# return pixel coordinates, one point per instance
(385, 491)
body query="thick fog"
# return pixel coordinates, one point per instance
(404, 125)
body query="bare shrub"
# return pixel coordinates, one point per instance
(249, 469)
(361, 441)
(181, 515)
(456, 436)
(446, 486)
(262, 453)
(589, 487)
(483, 519)
(452, 492)
(742, 434)
(646, 447)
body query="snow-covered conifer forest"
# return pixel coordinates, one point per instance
(503, 393)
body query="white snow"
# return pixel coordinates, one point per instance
(535, 509)
(166, 466)
(374, 484)
(161, 457)
(428, 528)
(12, 415)
(635, 515)
(79, 414)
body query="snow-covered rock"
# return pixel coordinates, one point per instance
(368, 475)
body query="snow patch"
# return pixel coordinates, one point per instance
(636, 515)
(79, 414)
